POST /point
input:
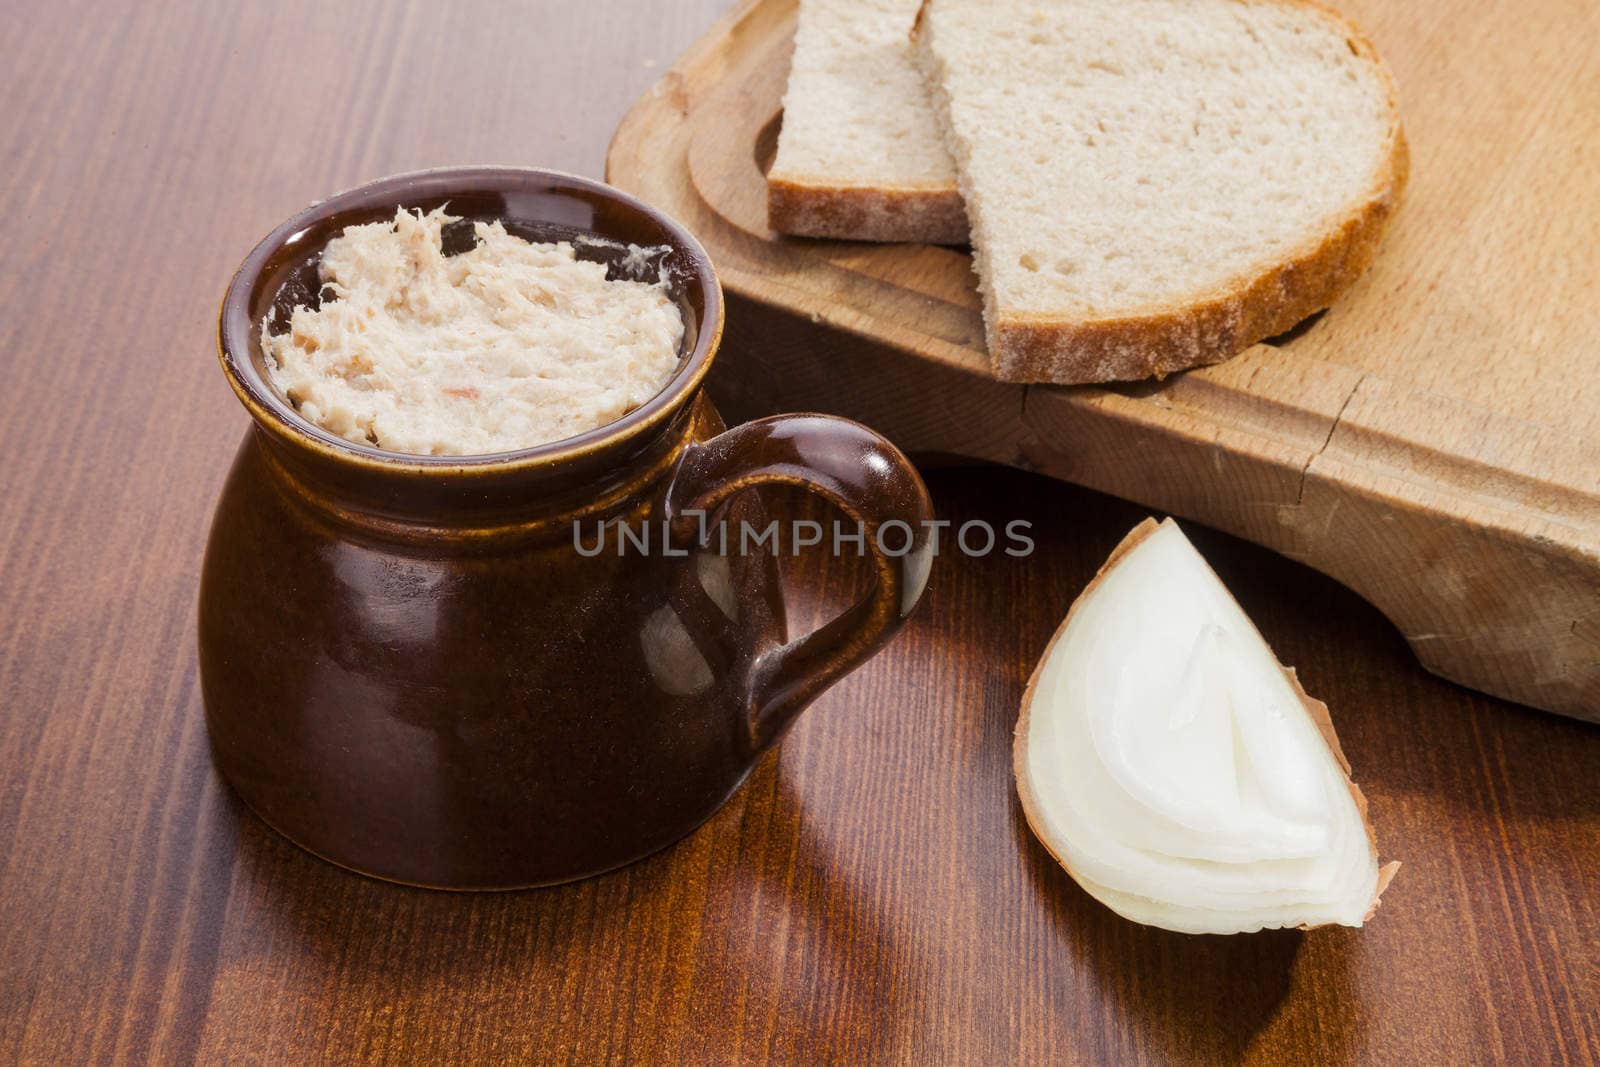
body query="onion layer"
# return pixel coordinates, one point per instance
(1177, 770)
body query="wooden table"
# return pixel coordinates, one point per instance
(872, 895)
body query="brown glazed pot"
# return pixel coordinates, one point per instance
(413, 667)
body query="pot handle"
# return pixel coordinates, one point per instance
(868, 479)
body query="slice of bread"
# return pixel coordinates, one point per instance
(860, 154)
(1157, 184)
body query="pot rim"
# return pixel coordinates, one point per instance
(273, 412)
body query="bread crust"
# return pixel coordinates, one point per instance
(816, 207)
(1032, 810)
(1219, 324)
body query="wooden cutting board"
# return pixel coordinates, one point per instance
(1432, 441)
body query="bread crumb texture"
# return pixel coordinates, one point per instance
(506, 345)
(1126, 162)
(856, 113)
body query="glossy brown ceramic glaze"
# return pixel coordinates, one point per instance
(438, 670)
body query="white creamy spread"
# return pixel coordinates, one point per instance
(504, 346)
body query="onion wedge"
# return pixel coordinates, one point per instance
(1177, 770)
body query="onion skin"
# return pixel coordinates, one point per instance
(1315, 709)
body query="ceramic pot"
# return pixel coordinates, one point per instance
(435, 670)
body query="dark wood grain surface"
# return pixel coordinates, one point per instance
(872, 894)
